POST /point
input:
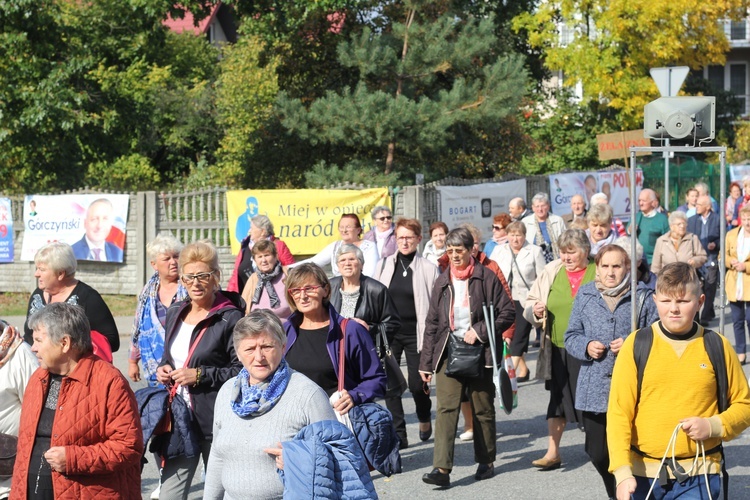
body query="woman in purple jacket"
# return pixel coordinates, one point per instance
(313, 336)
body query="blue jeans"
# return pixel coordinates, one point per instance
(693, 488)
(740, 316)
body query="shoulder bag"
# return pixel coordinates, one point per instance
(395, 381)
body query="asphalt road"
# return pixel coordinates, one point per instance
(521, 439)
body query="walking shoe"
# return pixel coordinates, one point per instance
(425, 435)
(437, 478)
(466, 436)
(547, 463)
(484, 471)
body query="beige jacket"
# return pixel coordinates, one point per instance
(731, 278)
(689, 248)
(424, 274)
(540, 291)
(529, 264)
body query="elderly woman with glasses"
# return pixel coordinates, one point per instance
(599, 229)
(677, 245)
(199, 355)
(313, 336)
(456, 315)
(382, 232)
(499, 232)
(266, 395)
(350, 229)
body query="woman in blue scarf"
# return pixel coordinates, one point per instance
(161, 291)
(265, 404)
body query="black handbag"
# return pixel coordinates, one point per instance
(395, 380)
(8, 446)
(464, 360)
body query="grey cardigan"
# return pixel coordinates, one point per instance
(592, 320)
(424, 274)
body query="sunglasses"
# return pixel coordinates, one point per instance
(497, 228)
(385, 217)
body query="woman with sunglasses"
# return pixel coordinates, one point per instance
(199, 354)
(313, 334)
(382, 232)
(350, 229)
(499, 232)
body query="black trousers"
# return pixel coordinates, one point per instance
(710, 282)
(520, 343)
(595, 427)
(407, 344)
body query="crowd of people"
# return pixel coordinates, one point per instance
(283, 353)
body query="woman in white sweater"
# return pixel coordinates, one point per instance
(265, 404)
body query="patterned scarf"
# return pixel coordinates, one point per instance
(9, 342)
(548, 250)
(147, 339)
(254, 400)
(264, 280)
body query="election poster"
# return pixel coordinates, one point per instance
(6, 231)
(478, 203)
(93, 224)
(306, 219)
(614, 183)
(738, 172)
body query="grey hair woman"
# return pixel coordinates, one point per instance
(56, 282)
(599, 230)
(382, 232)
(456, 315)
(267, 394)
(62, 343)
(678, 245)
(265, 289)
(161, 291)
(548, 305)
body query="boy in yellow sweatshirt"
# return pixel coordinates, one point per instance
(678, 386)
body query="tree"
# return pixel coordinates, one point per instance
(609, 45)
(419, 81)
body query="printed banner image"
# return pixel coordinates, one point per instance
(478, 204)
(93, 224)
(306, 219)
(6, 231)
(613, 183)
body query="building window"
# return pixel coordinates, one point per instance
(738, 30)
(716, 77)
(738, 84)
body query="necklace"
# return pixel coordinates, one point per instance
(405, 270)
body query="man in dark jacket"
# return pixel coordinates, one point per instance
(705, 224)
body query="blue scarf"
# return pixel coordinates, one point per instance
(254, 400)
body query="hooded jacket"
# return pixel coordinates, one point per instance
(215, 354)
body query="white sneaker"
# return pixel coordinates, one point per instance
(155, 493)
(466, 436)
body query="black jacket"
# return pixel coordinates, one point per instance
(214, 354)
(374, 305)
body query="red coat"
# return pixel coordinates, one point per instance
(97, 422)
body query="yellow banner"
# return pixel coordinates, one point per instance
(306, 219)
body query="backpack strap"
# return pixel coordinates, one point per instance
(715, 349)
(644, 338)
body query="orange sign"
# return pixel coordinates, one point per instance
(615, 146)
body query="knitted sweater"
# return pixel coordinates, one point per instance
(678, 383)
(238, 467)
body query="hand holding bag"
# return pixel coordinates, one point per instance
(395, 380)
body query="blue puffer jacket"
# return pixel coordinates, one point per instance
(374, 430)
(325, 461)
(152, 405)
(592, 320)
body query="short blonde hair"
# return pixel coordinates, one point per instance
(59, 257)
(201, 251)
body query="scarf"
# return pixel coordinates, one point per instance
(548, 251)
(596, 246)
(612, 296)
(9, 342)
(383, 235)
(264, 280)
(147, 339)
(464, 273)
(254, 400)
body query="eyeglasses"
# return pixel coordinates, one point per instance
(385, 217)
(203, 278)
(497, 228)
(407, 239)
(309, 290)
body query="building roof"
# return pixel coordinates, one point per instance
(187, 23)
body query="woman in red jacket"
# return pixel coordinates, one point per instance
(80, 434)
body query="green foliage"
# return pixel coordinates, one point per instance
(127, 173)
(324, 175)
(245, 96)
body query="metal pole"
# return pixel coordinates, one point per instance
(666, 177)
(722, 239)
(633, 248)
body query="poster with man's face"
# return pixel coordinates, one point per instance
(92, 224)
